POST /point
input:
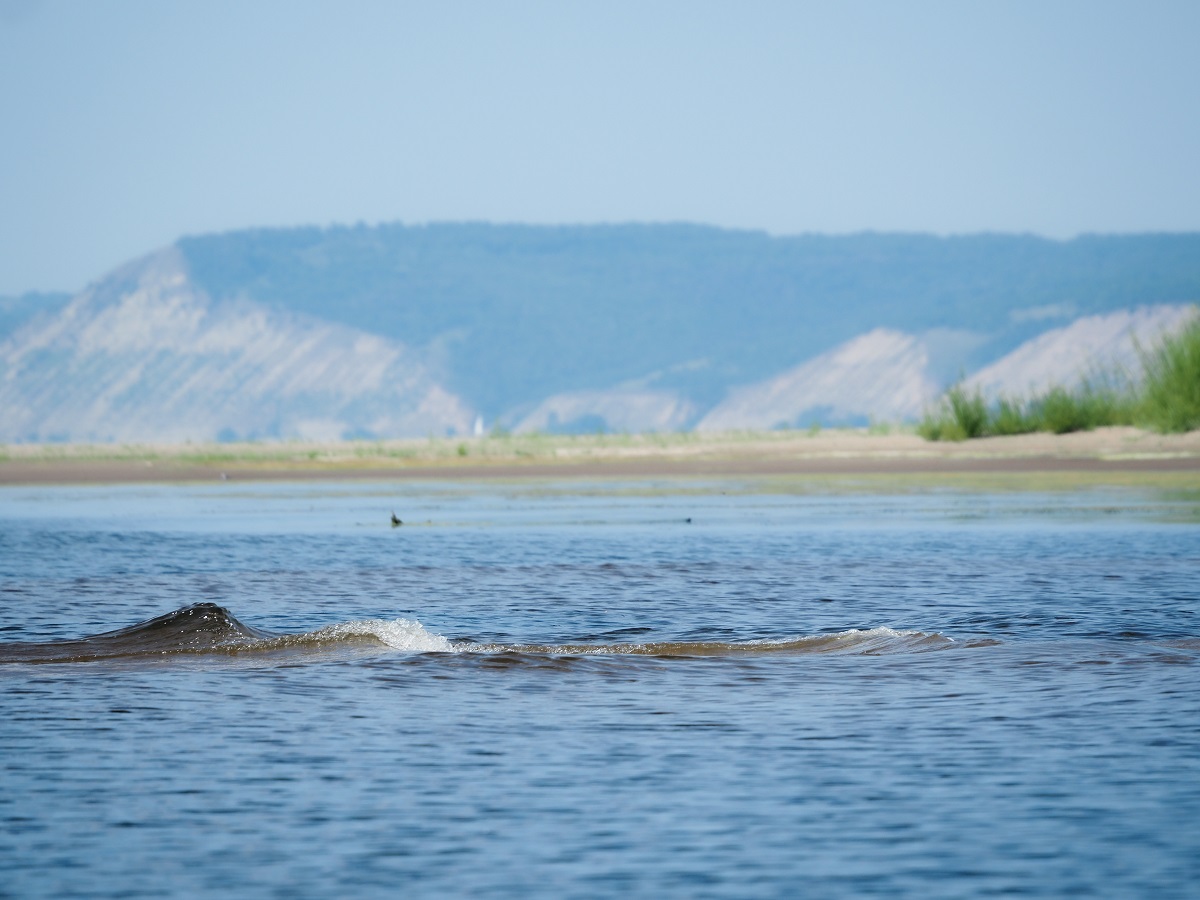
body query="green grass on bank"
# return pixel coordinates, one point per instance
(1059, 411)
(1171, 395)
(1167, 400)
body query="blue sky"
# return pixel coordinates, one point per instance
(128, 123)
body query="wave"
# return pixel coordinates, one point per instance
(206, 628)
(859, 642)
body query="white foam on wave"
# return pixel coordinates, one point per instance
(399, 634)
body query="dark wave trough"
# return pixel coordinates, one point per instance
(199, 628)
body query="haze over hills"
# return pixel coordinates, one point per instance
(410, 330)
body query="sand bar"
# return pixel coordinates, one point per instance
(1101, 455)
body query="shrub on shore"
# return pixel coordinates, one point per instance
(1167, 400)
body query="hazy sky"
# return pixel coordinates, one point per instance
(126, 124)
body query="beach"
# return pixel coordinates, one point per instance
(1102, 455)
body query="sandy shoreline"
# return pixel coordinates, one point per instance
(1116, 453)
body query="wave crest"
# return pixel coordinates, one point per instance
(398, 634)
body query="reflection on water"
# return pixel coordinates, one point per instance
(568, 691)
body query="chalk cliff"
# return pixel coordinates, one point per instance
(145, 356)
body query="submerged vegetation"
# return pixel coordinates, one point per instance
(1167, 400)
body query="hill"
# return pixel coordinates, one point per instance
(144, 356)
(514, 313)
(395, 330)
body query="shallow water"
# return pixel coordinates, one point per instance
(676, 688)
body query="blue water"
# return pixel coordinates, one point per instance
(588, 689)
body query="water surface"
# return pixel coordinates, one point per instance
(687, 689)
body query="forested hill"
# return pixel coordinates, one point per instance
(512, 310)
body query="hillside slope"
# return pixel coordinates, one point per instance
(1104, 346)
(145, 356)
(880, 375)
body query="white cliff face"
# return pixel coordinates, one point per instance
(1094, 346)
(619, 409)
(880, 375)
(144, 356)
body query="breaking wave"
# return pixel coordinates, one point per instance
(206, 628)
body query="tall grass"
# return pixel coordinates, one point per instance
(1168, 399)
(962, 415)
(1061, 411)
